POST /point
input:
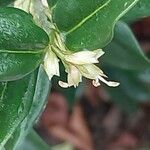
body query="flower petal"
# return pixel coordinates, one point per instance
(44, 2)
(99, 53)
(51, 64)
(91, 71)
(74, 76)
(84, 57)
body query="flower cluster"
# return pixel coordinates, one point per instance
(77, 65)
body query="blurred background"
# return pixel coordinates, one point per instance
(103, 118)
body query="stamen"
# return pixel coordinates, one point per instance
(95, 83)
(109, 83)
(63, 84)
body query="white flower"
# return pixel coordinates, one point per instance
(82, 64)
(76, 65)
(74, 77)
(84, 57)
(51, 64)
(91, 71)
(45, 3)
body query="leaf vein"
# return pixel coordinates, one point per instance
(3, 92)
(22, 52)
(87, 18)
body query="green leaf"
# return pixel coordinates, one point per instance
(127, 64)
(52, 2)
(14, 105)
(5, 2)
(18, 23)
(33, 142)
(132, 86)
(21, 47)
(89, 24)
(38, 104)
(122, 101)
(142, 9)
(131, 90)
(21, 103)
(124, 51)
(145, 76)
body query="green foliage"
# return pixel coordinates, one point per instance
(33, 142)
(83, 25)
(131, 91)
(142, 9)
(18, 45)
(89, 24)
(6, 2)
(52, 2)
(20, 108)
(131, 71)
(126, 49)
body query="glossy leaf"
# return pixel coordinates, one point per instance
(52, 2)
(13, 105)
(126, 61)
(145, 76)
(131, 90)
(142, 9)
(124, 51)
(20, 24)
(132, 85)
(38, 105)
(33, 142)
(21, 47)
(19, 108)
(5, 2)
(89, 24)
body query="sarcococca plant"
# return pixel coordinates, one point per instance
(70, 39)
